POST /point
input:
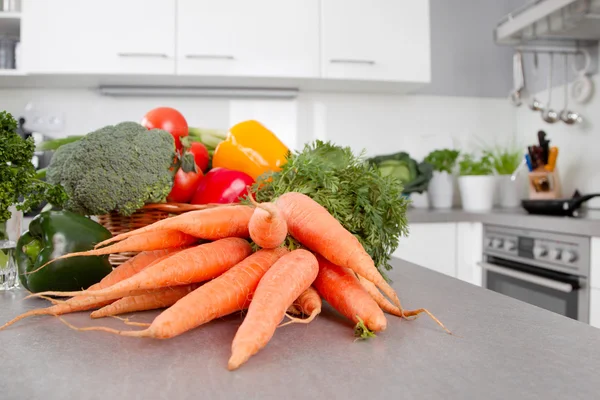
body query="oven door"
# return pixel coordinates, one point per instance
(561, 293)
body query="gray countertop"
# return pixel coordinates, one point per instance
(502, 349)
(586, 225)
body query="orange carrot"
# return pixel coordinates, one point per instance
(82, 303)
(291, 275)
(160, 298)
(267, 227)
(196, 264)
(146, 242)
(309, 303)
(210, 224)
(228, 293)
(340, 288)
(315, 228)
(389, 308)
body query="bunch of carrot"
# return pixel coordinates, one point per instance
(197, 283)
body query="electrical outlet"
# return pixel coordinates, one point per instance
(44, 118)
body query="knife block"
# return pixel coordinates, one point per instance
(544, 185)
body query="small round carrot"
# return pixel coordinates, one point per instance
(342, 290)
(315, 228)
(221, 296)
(210, 224)
(145, 242)
(309, 303)
(389, 308)
(291, 275)
(82, 303)
(159, 298)
(267, 227)
(196, 264)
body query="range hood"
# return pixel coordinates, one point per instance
(551, 20)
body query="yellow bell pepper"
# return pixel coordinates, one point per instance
(250, 148)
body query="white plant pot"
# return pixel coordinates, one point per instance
(477, 192)
(441, 190)
(508, 191)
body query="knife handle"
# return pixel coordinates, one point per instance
(552, 155)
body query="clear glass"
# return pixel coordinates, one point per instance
(9, 234)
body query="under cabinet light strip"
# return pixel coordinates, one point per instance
(166, 91)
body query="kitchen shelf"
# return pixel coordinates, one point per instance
(567, 22)
(10, 23)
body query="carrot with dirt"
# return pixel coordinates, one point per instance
(267, 227)
(224, 295)
(196, 264)
(342, 290)
(309, 304)
(210, 224)
(160, 298)
(83, 303)
(389, 308)
(313, 226)
(291, 275)
(145, 242)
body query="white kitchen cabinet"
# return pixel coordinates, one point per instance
(386, 40)
(430, 245)
(102, 37)
(595, 308)
(469, 248)
(271, 38)
(595, 262)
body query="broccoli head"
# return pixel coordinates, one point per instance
(116, 168)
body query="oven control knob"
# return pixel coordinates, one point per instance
(488, 242)
(497, 243)
(540, 251)
(510, 245)
(556, 254)
(569, 256)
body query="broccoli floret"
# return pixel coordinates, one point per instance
(116, 168)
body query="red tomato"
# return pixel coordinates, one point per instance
(185, 186)
(200, 155)
(221, 185)
(168, 119)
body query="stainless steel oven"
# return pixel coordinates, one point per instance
(549, 270)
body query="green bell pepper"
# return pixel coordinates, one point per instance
(55, 233)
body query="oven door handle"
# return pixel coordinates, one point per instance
(536, 280)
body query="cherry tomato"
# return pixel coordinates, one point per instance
(168, 119)
(221, 185)
(200, 155)
(185, 186)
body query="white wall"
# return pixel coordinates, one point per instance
(578, 160)
(377, 123)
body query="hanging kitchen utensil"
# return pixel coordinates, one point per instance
(567, 116)
(549, 115)
(518, 80)
(535, 104)
(583, 87)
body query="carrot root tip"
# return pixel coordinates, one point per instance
(295, 320)
(126, 321)
(361, 332)
(103, 329)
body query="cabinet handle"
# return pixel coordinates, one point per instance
(209, 57)
(351, 61)
(144, 55)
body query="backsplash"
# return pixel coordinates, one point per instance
(376, 123)
(578, 162)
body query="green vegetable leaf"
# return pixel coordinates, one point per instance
(443, 160)
(18, 182)
(469, 165)
(367, 204)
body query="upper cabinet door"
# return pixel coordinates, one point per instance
(271, 38)
(108, 36)
(385, 40)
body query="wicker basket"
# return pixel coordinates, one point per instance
(147, 215)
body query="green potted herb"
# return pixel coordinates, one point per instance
(441, 185)
(20, 190)
(476, 182)
(506, 161)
